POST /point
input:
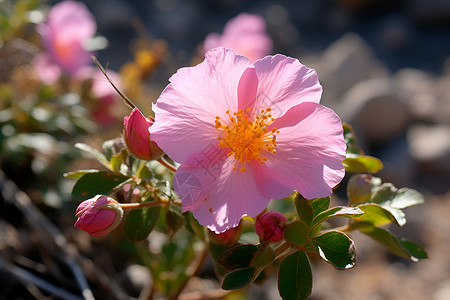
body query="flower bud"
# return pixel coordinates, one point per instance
(270, 226)
(98, 216)
(137, 136)
(359, 188)
(227, 238)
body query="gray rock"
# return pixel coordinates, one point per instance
(344, 63)
(417, 89)
(374, 109)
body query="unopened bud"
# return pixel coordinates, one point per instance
(270, 226)
(226, 238)
(98, 216)
(359, 188)
(137, 136)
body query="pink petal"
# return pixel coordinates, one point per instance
(218, 196)
(247, 88)
(308, 158)
(47, 70)
(186, 110)
(284, 82)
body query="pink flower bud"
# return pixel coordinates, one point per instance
(98, 216)
(359, 188)
(137, 136)
(270, 226)
(226, 238)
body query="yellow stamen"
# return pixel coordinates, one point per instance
(247, 137)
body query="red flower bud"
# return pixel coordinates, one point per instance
(227, 238)
(98, 216)
(137, 136)
(270, 226)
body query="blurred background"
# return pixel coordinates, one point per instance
(384, 67)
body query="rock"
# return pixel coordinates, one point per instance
(431, 145)
(373, 108)
(344, 63)
(417, 90)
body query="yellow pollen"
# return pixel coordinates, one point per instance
(246, 136)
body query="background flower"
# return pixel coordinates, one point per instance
(245, 34)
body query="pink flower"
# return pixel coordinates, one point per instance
(227, 238)
(98, 216)
(102, 93)
(137, 136)
(245, 133)
(245, 34)
(270, 226)
(68, 27)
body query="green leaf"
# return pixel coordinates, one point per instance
(337, 249)
(398, 246)
(319, 205)
(79, 173)
(94, 152)
(375, 214)
(356, 163)
(296, 233)
(393, 200)
(238, 279)
(237, 257)
(99, 183)
(264, 256)
(295, 277)
(173, 222)
(337, 211)
(304, 209)
(140, 222)
(350, 140)
(117, 160)
(193, 225)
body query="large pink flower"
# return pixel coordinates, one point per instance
(245, 34)
(68, 27)
(246, 133)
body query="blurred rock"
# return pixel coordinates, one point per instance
(442, 108)
(417, 90)
(430, 145)
(346, 62)
(137, 277)
(374, 109)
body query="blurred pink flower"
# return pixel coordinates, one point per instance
(245, 133)
(68, 27)
(245, 34)
(98, 216)
(137, 136)
(270, 226)
(102, 92)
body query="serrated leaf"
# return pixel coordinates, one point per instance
(264, 256)
(296, 233)
(140, 222)
(238, 279)
(337, 249)
(94, 152)
(78, 174)
(295, 277)
(396, 245)
(237, 257)
(319, 205)
(375, 214)
(99, 183)
(337, 211)
(173, 222)
(356, 163)
(304, 209)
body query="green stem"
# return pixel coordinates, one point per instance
(130, 206)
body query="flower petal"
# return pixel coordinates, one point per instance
(186, 110)
(308, 158)
(284, 82)
(219, 197)
(247, 88)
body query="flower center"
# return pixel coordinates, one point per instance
(247, 138)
